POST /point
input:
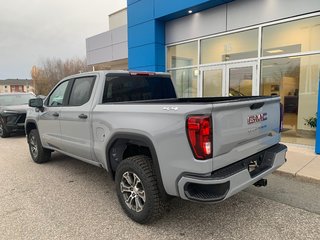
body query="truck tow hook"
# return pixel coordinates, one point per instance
(261, 183)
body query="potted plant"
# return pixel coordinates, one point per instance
(311, 122)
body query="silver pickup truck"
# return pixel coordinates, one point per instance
(155, 145)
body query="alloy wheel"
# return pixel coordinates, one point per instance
(133, 191)
(1, 129)
(33, 146)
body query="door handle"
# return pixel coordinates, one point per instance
(83, 116)
(55, 114)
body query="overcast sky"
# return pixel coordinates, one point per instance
(32, 30)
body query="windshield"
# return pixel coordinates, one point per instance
(15, 99)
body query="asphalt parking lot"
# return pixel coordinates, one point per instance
(69, 199)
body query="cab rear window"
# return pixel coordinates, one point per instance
(125, 88)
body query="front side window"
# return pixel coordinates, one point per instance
(81, 91)
(57, 96)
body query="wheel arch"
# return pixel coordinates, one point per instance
(30, 124)
(119, 143)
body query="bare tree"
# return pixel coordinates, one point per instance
(52, 70)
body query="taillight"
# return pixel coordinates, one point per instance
(199, 131)
(281, 118)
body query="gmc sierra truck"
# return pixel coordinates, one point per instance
(155, 145)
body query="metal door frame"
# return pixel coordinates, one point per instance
(225, 67)
(208, 68)
(254, 65)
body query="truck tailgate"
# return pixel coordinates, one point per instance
(243, 128)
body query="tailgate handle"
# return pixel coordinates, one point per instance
(256, 105)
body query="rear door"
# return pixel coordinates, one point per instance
(75, 119)
(244, 127)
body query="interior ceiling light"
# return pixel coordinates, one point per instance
(275, 51)
(190, 11)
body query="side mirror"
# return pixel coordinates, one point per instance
(36, 103)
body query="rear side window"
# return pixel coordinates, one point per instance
(81, 91)
(125, 88)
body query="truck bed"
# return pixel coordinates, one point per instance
(210, 100)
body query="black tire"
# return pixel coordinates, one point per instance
(152, 205)
(38, 153)
(3, 131)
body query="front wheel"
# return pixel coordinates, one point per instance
(3, 131)
(38, 153)
(137, 189)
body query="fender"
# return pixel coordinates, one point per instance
(30, 121)
(142, 141)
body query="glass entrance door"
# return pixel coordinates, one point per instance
(241, 79)
(213, 82)
(229, 80)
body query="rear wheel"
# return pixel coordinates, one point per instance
(137, 189)
(3, 131)
(38, 153)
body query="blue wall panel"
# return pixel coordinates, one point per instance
(140, 12)
(129, 2)
(141, 34)
(147, 56)
(146, 28)
(141, 56)
(317, 147)
(169, 9)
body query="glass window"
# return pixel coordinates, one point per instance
(15, 99)
(185, 82)
(212, 82)
(240, 81)
(56, 97)
(230, 47)
(135, 88)
(295, 80)
(182, 55)
(291, 37)
(81, 91)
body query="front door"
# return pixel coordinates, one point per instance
(236, 79)
(49, 118)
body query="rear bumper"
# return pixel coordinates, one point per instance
(227, 181)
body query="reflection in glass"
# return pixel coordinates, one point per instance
(291, 37)
(185, 82)
(240, 81)
(295, 79)
(212, 83)
(182, 55)
(230, 47)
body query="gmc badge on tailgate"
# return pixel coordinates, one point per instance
(257, 118)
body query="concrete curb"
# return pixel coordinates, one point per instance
(297, 177)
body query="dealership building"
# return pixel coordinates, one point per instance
(223, 48)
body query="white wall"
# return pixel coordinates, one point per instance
(108, 46)
(118, 19)
(234, 15)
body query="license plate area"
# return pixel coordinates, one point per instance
(260, 163)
